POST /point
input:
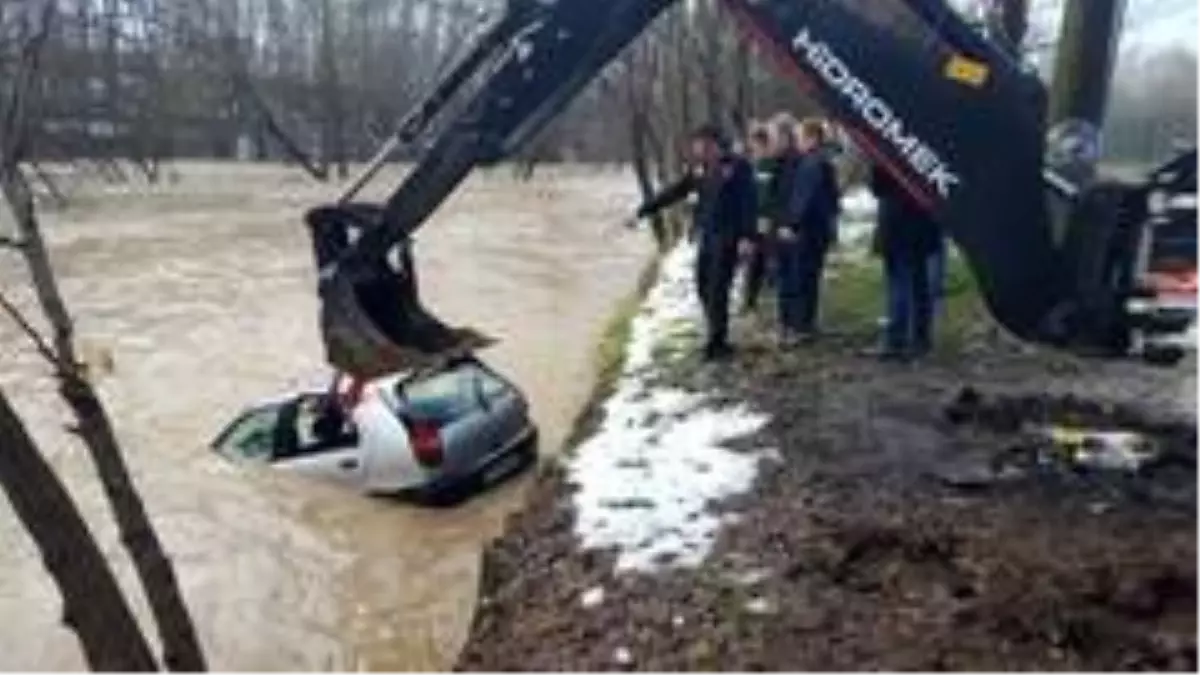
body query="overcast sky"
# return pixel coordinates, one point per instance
(1154, 24)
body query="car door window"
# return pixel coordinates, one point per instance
(252, 436)
(310, 426)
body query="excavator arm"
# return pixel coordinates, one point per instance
(953, 119)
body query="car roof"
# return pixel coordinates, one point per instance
(384, 386)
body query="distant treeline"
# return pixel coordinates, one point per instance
(327, 79)
(1153, 106)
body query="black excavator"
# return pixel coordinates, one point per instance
(958, 123)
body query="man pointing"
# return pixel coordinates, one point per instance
(724, 225)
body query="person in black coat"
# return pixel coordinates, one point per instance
(723, 224)
(759, 274)
(805, 229)
(908, 239)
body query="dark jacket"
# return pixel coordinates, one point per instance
(726, 206)
(766, 171)
(809, 200)
(902, 226)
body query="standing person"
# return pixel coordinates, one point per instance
(762, 154)
(806, 228)
(723, 223)
(908, 239)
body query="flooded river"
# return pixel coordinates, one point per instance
(203, 293)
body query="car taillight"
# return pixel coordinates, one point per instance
(426, 443)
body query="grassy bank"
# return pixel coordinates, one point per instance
(855, 297)
(610, 351)
(609, 355)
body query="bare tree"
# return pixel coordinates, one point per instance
(93, 605)
(230, 53)
(333, 136)
(181, 648)
(640, 135)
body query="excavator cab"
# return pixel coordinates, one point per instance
(1164, 264)
(1168, 254)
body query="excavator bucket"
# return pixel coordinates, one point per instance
(372, 319)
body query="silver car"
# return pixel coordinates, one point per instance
(436, 437)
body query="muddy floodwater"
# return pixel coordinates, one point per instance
(203, 294)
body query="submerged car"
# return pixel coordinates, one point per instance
(437, 438)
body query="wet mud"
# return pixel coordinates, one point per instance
(920, 519)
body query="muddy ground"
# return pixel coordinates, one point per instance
(908, 526)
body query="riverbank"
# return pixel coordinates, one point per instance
(818, 510)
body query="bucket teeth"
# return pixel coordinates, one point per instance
(358, 348)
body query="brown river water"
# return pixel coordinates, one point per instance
(203, 294)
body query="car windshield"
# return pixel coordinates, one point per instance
(449, 395)
(252, 436)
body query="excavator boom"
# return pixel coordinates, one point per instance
(951, 117)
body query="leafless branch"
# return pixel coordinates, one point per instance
(39, 342)
(177, 633)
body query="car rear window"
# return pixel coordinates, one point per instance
(448, 395)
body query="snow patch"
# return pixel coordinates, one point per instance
(760, 606)
(648, 478)
(592, 597)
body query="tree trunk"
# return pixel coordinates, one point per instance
(181, 648)
(1082, 82)
(333, 128)
(639, 123)
(1086, 55)
(743, 106)
(93, 606)
(238, 70)
(1007, 24)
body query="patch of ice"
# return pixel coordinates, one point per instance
(647, 479)
(592, 597)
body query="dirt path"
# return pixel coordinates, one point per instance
(203, 294)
